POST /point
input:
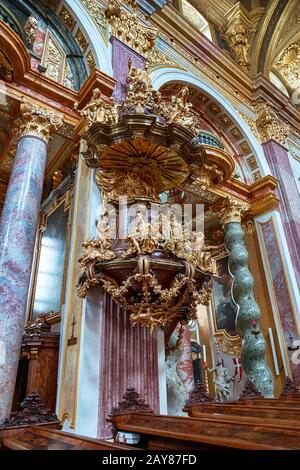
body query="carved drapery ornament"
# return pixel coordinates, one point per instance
(36, 121)
(127, 28)
(30, 29)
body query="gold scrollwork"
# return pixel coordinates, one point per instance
(36, 121)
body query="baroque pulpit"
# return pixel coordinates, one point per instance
(150, 264)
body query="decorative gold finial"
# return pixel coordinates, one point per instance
(36, 121)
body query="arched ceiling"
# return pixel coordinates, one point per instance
(269, 39)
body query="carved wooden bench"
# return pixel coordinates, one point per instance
(274, 402)
(209, 432)
(41, 437)
(263, 412)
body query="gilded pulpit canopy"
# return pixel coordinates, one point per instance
(148, 260)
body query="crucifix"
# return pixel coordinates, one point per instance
(73, 339)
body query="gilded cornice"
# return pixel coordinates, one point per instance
(36, 121)
(204, 57)
(260, 196)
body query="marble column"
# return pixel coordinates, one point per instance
(287, 191)
(253, 343)
(18, 226)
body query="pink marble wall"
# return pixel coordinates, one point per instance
(185, 364)
(120, 55)
(278, 160)
(281, 291)
(128, 358)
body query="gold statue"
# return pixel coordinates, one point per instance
(141, 97)
(57, 178)
(99, 249)
(179, 112)
(98, 110)
(141, 240)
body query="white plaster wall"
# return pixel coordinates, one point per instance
(89, 359)
(162, 375)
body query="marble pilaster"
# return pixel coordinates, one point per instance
(287, 191)
(17, 236)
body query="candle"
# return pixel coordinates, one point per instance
(204, 354)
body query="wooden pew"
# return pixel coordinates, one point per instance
(265, 412)
(209, 432)
(41, 437)
(274, 402)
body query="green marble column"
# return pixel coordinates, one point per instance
(253, 343)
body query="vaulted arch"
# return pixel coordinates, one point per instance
(255, 156)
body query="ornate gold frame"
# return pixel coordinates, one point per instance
(224, 342)
(66, 199)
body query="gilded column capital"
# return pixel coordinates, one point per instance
(231, 210)
(269, 125)
(36, 121)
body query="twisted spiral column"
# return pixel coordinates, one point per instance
(253, 342)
